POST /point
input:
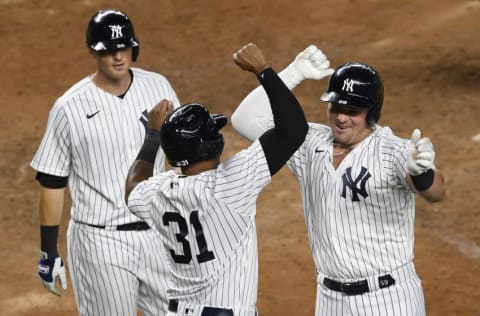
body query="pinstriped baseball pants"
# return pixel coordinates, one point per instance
(404, 298)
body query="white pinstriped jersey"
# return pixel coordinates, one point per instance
(208, 225)
(93, 137)
(360, 216)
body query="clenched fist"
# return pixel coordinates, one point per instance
(250, 58)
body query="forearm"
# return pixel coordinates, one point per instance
(142, 167)
(51, 206)
(290, 122)
(50, 211)
(284, 106)
(436, 192)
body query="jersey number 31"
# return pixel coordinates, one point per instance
(185, 258)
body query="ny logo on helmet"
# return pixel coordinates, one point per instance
(348, 85)
(116, 31)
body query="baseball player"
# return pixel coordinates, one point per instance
(357, 182)
(206, 213)
(93, 134)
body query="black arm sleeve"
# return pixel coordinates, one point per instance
(51, 181)
(280, 142)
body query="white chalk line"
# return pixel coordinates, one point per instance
(467, 247)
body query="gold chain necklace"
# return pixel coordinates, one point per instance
(339, 154)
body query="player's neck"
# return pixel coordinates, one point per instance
(200, 167)
(114, 86)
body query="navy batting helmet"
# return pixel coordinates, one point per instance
(110, 30)
(358, 85)
(190, 134)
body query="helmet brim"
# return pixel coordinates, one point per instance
(330, 97)
(114, 45)
(346, 99)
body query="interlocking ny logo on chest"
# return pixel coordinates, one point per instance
(357, 185)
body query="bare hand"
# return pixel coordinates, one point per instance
(158, 113)
(250, 58)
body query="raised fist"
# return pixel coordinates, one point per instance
(250, 58)
(157, 115)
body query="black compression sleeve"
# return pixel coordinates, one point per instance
(48, 238)
(51, 181)
(148, 152)
(291, 126)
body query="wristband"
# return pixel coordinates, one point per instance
(48, 238)
(150, 146)
(424, 180)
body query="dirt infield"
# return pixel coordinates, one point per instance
(428, 53)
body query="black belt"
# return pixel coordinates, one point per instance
(126, 227)
(358, 287)
(206, 311)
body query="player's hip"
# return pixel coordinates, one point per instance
(370, 283)
(128, 246)
(401, 294)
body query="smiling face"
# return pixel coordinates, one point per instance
(113, 66)
(349, 124)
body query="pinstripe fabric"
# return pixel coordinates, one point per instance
(404, 298)
(93, 137)
(111, 270)
(359, 217)
(96, 153)
(225, 201)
